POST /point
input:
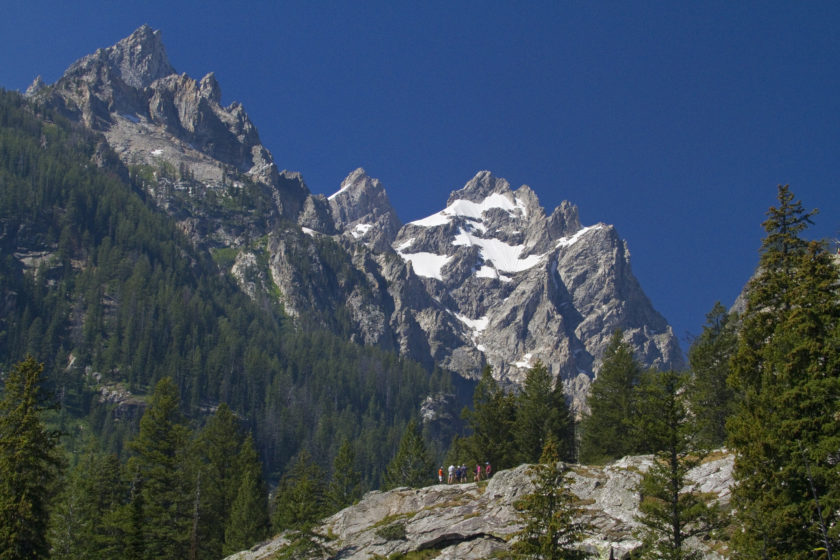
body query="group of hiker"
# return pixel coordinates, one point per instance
(459, 473)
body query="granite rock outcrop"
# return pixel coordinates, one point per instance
(477, 520)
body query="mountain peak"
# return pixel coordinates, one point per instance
(358, 178)
(210, 89)
(361, 207)
(483, 184)
(140, 58)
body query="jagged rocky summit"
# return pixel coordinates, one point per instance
(527, 286)
(492, 278)
(478, 520)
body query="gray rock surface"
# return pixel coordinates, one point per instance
(491, 279)
(524, 286)
(362, 210)
(472, 521)
(200, 152)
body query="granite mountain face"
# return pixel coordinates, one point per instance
(491, 278)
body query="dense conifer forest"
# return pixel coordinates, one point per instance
(148, 405)
(113, 298)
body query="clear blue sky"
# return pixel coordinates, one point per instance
(674, 121)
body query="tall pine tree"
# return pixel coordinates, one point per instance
(550, 512)
(542, 413)
(160, 464)
(217, 478)
(610, 430)
(412, 465)
(490, 421)
(86, 522)
(786, 373)
(300, 500)
(711, 398)
(248, 522)
(345, 486)
(670, 513)
(28, 464)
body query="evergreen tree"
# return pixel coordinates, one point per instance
(711, 397)
(248, 522)
(412, 464)
(610, 430)
(134, 521)
(542, 412)
(218, 479)
(85, 522)
(490, 422)
(786, 374)
(166, 488)
(668, 513)
(550, 512)
(345, 486)
(301, 495)
(29, 464)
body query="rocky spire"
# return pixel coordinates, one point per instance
(36, 86)
(479, 187)
(140, 58)
(361, 208)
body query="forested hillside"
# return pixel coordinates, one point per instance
(111, 297)
(148, 402)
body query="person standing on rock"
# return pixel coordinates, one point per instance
(451, 474)
(440, 475)
(477, 472)
(487, 470)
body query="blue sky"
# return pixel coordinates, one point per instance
(674, 121)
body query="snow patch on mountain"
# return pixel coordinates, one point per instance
(475, 210)
(428, 265)
(571, 240)
(504, 257)
(490, 272)
(360, 230)
(476, 325)
(526, 361)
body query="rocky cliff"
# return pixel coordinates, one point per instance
(478, 520)
(492, 278)
(528, 286)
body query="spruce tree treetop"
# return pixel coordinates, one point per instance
(786, 373)
(542, 413)
(160, 463)
(491, 420)
(711, 398)
(610, 430)
(670, 511)
(345, 486)
(412, 465)
(301, 494)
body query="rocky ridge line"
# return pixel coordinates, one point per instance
(492, 278)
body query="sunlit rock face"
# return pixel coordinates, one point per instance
(526, 286)
(492, 278)
(473, 521)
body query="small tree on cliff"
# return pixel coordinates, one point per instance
(550, 513)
